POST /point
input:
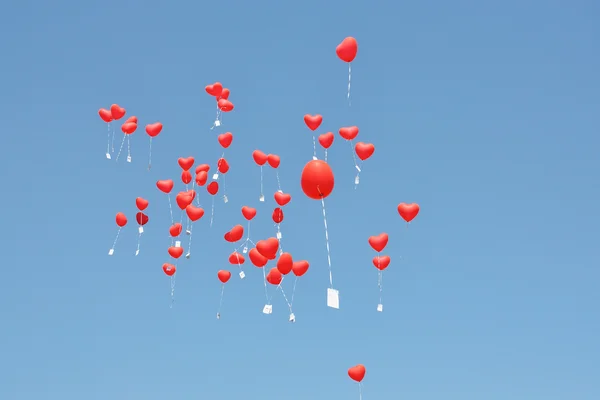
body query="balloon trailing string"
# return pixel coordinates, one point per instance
(265, 283)
(237, 257)
(294, 290)
(279, 236)
(325, 155)
(326, 239)
(108, 141)
(359, 390)
(116, 238)
(221, 301)
(139, 239)
(349, 81)
(150, 155)
(262, 195)
(172, 289)
(278, 180)
(170, 209)
(128, 148)
(314, 148)
(212, 212)
(357, 178)
(112, 146)
(121, 148)
(380, 284)
(285, 297)
(190, 241)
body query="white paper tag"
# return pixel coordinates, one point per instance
(280, 191)
(292, 317)
(279, 235)
(215, 177)
(111, 252)
(315, 158)
(128, 158)
(225, 199)
(268, 309)
(357, 167)
(188, 232)
(380, 307)
(242, 275)
(245, 250)
(177, 243)
(108, 156)
(218, 316)
(188, 255)
(261, 198)
(333, 298)
(141, 229)
(217, 123)
(137, 252)
(356, 180)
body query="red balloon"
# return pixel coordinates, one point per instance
(235, 234)
(381, 262)
(408, 211)
(225, 105)
(357, 372)
(224, 276)
(326, 139)
(299, 268)
(236, 258)
(349, 132)
(121, 219)
(213, 188)
(274, 277)
(248, 212)
(117, 112)
(175, 229)
(154, 129)
(169, 269)
(133, 119)
(317, 179)
(201, 178)
(282, 198)
(347, 49)
(185, 162)
(277, 215)
(183, 199)
(379, 242)
(175, 252)
(259, 157)
(141, 218)
(364, 150)
(192, 193)
(285, 263)
(313, 121)
(273, 160)
(224, 94)
(268, 248)
(194, 213)
(129, 127)
(186, 177)
(202, 167)
(141, 203)
(165, 186)
(222, 165)
(257, 259)
(105, 115)
(215, 89)
(225, 139)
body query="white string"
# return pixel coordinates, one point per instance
(113, 139)
(279, 236)
(221, 300)
(349, 80)
(237, 257)
(173, 289)
(262, 196)
(121, 148)
(314, 147)
(357, 177)
(116, 238)
(170, 208)
(285, 297)
(150, 155)
(137, 251)
(212, 211)
(359, 390)
(108, 138)
(294, 290)
(327, 242)
(278, 286)
(325, 155)
(265, 282)
(380, 284)
(278, 181)
(128, 148)
(190, 242)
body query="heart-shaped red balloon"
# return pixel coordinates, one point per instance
(224, 94)
(105, 115)
(347, 49)
(357, 372)
(274, 277)
(129, 127)
(349, 132)
(277, 215)
(192, 193)
(141, 218)
(248, 212)
(381, 262)
(285, 263)
(169, 269)
(299, 268)
(282, 198)
(259, 157)
(225, 105)
(121, 219)
(222, 165)
(183, 199)
(326, 139)
(364, 150)
(268, 247)
(408, 211)
(213, 188)
(257, 259)
(379, 242)
(202, 167)
(186, 177)
(225, 139)
(236, 258)
(235, 234)
(215, 89)
(133, 119)
(175, 252)
(141, 203)
(224, 275)
(117, 111)
(154, 129)
(165, 186)
(313, 121)
(201, 178)
(273, 160)
(185, 162)
(194, 213)
(175, 229)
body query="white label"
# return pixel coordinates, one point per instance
(245, 250)
(137, 252)
(242, 275)
(217, 122)
(218, 316)
(279, 235)
(315, 158)
(215, 177)
(356, 180)
(268, 309)
(188, 255)
(357, 167)
(141, 229)
(177, 243)
(261, 198)
(188, 232)
(333, 298)
(128, 158)
(108, 156)
(280, 191)
(111, 252)
(380, 307)
(225, 199)
(292, 317)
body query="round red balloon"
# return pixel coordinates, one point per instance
(317, 179)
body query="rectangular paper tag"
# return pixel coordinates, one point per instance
(333, 298)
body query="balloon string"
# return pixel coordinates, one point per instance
(137, 251)
(314, 148)
(221, 300)
(170, 208)
(278, 287)
(285, 297)
(265, 283)
(357, 177)
(128, 148)
(116, 238)
(349, 81)
(172, 289)
(190, 241)
(121, 148)
(150, 155)
(279, 236)
(359, 391)
(380, 283)
(278, 181)
(212, 211)
(108, 140)
(325, 155)
(225, 198)
(113, 140)
(294, 290)
(327, 242)
(237, 257)
(262, 196)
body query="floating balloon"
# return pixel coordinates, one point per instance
(259, 157)
(165, 186)
(379, 242)
(285, 263)
(268, 248)
(282, 198)
(186, 177)
(236, 258)
(349, 132)
(202, 167)
(222, 165)
(194, 213)
(215, 89)
(141, 218)
(408, 212)
(105, 115)
(121, 219)
(129, 127)
(326, 139)
(248, 212)
(381, 262)
(153, 129)
(274, 277)
(277, 215)
(235, 234)
(175, 252)
(213, 188)
(185, 162)
(169, 269)
(201, 178)
(117, 112)
(225, 139)
(183, 199)
(257, 259)
(175, 229)
(357, 372)
(273, 160)
(347, 49)
(141, 203)
(313, 121)
(133, 119)
(299, 268)
(364, 150)
(317, 179)
(225, 105)
(224, 276)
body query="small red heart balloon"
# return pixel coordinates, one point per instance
(282, 198)
(129, 127)
(169, 269)
(408, 211)
(364, 150)
(201, 178)
(313, 121)
(326, 139)
(224, 275)
(121, 219)
(347, 49)
(133, 119)
(117, 111)
(222, 165)
(225, 105)
(379, 242)
(268, 247)
(225, 139)
(274, 277)
(192, 193)
(185, 162)
(105, 115)
(213, 188)
(154, 129)
(273, 160)
(381, 262)
(235, 234)
(141, 218)
(257, 259)
(215, 89)
(165, 186)
(141, 203)
(175, 252)
(277, 215)
(236, 258)
(349, 132)
(183, 199)
(357, 372)
(224, 94)
(285, 263)
(202, 167)
(299, 268)
(259, 157)
(248, 212)
(175, 229)
(186, 177)
(194, 213)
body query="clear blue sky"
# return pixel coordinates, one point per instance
(485, 113)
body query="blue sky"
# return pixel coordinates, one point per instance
(485, 113)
